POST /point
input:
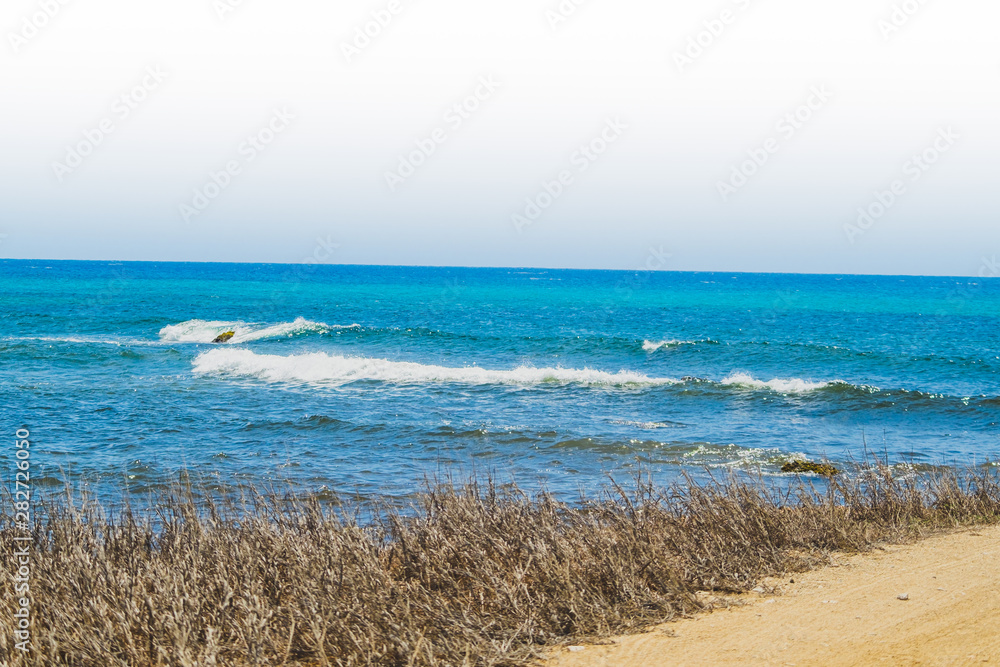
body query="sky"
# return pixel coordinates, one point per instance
(734, 135)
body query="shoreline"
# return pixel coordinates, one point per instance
(844, 613)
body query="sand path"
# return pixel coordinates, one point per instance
(846, 614)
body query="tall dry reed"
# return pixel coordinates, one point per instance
(477, 575)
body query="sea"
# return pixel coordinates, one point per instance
(374, 381)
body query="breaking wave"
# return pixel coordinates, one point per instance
(323, 368)
(788, 386)
(654, 345)
(202, 331)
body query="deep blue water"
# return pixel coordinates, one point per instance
(368, 379)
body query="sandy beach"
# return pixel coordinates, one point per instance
(847, 614)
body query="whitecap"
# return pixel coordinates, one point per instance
(323, 368)
(206, 331)
(783, 386)
(645, 425)
(654, 345)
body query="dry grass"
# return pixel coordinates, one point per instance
(479, 575)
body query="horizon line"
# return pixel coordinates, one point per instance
(497, 267)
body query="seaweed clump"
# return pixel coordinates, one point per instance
(824, 469)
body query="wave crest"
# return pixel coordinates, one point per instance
(646, 425)
(783, 386)
(654, 345)
(202, 331)
(323, 368)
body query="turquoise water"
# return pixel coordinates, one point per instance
(369, 379)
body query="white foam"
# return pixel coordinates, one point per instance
(734, 456)
(196, 331)
(787, 386)
(654, 345)
(89, 340)
(202, 331)
(323, 368)
(644, 425)
(283, 330)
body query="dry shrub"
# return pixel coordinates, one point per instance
(478, 575)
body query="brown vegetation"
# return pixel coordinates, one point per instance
(480, 575)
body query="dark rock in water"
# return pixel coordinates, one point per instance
(824, 469)
(223, 338)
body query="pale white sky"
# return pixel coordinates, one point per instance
(309, 130)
